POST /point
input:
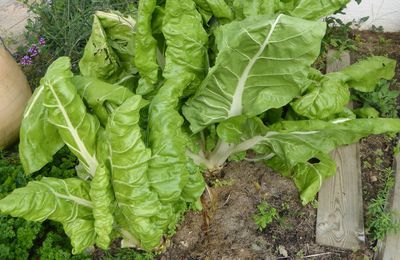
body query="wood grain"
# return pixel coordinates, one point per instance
(389, 248)
(340, 220)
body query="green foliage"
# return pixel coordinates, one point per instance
(380, 220)
(265, 215)
(137, 131)
(338, 35)
(66, 25)
(17, 237)
(382, 99)
(21, 239)
(56, 245)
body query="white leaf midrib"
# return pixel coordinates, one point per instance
(35, 99)
(90, 161)
(237, 106)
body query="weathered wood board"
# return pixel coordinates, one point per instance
(340, 220)
(389, 248)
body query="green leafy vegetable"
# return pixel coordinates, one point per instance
(144, 139)
(66, 201)
(102, 197)
(146, 48)
(260, 66)
(34, 155)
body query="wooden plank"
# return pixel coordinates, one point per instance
(340, 221)
(389, 248)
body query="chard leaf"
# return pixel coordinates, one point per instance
(102, 197)
(81, 234)
(326, 136)
(366, 112)
(67, 112)
(99, 59)
(329, 94)
(220, 9)
(185, 57)
(168, 172)
(98, 94)
(120, 33)
(288, 146)
(33, 154)
(129, 159)
(314, 10)
(329, 97)
(62, 200)
(240, 128)
(366, 74)
(296, 142)
(284, 47)
(244, 8)
(307, 176)
(146, 48)
(186, 52)
(203, 5)
(109, 53)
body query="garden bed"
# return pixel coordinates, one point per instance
(226, 228)
(232, 232)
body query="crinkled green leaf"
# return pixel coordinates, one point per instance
(67, 112)
(245, 8)
(366, 112)
(237, 129)
(307, 176)
(102, 197)
(63, 200)
(220, 9)
(203, 5)
(146, 48)
(186, 51)
(129, 159)
(288, 146)
(328, 97)
(195, 186)
(99, 59)
(328, 94)
(100, 95)
(120, 33)
(366, 74)
(185, 60)
(33, 154)
(261, 64)
(316, 9)
(82, 235)
(109, 53)
(326, 136)
(184, 63)
(296, 142)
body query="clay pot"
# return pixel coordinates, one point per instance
(14, 95)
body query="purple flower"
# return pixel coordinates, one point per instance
(42, 41)
(26, 60)
(33, 50)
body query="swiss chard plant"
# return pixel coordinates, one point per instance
(176, 92)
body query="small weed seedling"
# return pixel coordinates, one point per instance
(379, 219)
(382, 99)
(266, 214)
(217, 183)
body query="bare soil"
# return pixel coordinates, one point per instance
(232, 232)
